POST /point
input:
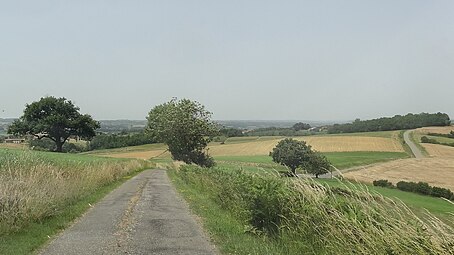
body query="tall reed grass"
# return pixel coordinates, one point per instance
(308, 218)
(35, 186)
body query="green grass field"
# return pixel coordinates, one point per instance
(441, 139)
(341, 160)
(437, 206)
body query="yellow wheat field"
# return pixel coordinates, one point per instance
(263, 147)
(323, 144)
(138, 154)
(439, 130)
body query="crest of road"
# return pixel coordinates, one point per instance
(143, 216)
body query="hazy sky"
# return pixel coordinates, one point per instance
(299, 60)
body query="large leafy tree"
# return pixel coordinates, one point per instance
(56, 119)
(186, 127)
(297, 154)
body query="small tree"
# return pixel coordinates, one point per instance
(56, 119)
(297, 154)
(318, 164)
(186, 127)
(291, 153)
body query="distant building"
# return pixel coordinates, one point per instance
(15, 140)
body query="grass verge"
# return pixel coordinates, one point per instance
(36, 234)
(228, 233)
(42, 193)
(416, 139)
(298, 216)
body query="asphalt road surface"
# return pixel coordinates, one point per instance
(143, 216)
(414, 149)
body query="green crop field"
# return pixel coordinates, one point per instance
(341, 160)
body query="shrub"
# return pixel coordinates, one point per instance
(383, 183)
(442, 192)
(423, 188)
(406, 186)
(46, 144)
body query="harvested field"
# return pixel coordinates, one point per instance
(438, 130)
(137, 154)
(13, 146)
(439, 151)
(436, 171)
(353, 143)
(320, 143)
(264, 146)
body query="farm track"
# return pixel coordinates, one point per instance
(143, 216)
(414, 149)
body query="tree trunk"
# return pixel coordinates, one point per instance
(316, 176)
(294, 172)
(59, 146)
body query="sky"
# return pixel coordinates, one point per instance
(250, 60)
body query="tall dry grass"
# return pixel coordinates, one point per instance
(34, 186)
(305, 217)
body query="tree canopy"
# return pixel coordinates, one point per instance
(301, 126)
(186, 127)
(56, 119)
(297, 154)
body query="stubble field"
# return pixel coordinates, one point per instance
(436, 169)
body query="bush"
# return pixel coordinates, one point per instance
(424, 188)
(406, 186)
(442, 192)
(46, 144)
(383, 183)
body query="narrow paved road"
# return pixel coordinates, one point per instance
(143, 216)
(414, 149)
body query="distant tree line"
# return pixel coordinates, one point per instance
(231, 132)
(109, 141)
(398, 122)
(298, 129)
(99, 142)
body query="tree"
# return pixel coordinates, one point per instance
(186, 127)
(301, 126)
(297, 154)
(318, 164)
(56, 119)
